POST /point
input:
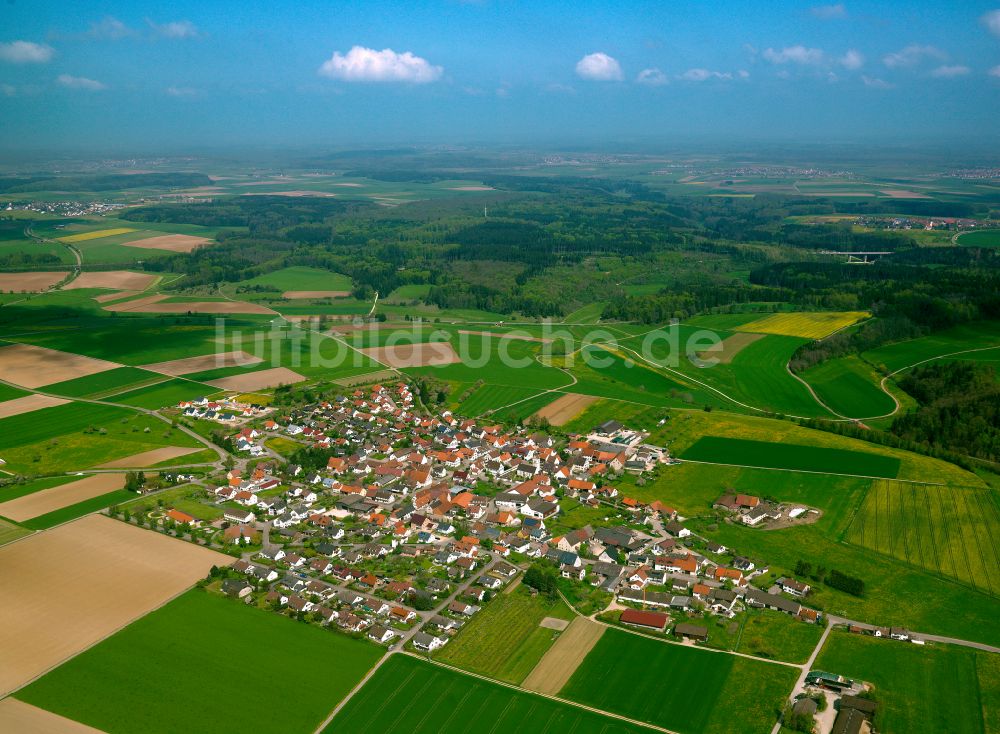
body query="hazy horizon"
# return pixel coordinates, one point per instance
(116, 76)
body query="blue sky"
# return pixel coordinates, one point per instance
(193, 74)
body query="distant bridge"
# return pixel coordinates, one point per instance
(856, 257)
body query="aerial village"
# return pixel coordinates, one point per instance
(416, 521)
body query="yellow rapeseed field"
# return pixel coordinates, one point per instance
(83, 236)
(813, 325)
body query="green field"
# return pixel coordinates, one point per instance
(408, 293)
(491, 397)
(164, 394)
(954, 531)
(850, 387)
(11, 531)
(299, 278)
(8, 392)
(78, 436)
(13, 491)
(789, 456)
(920, 690)
(982, 238)
(504, 641)
(778, 636)
(756, 376)
(682, 430)
(961, 339)
(109, 381)
(71, 512)
(160, 670)
(680, 688)
(410, 696)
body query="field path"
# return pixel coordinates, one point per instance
(561, 660)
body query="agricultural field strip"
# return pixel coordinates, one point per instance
(976, 540)
(201, 439)
(562, 388)
(728, 397)
(529, 692)
(127, 617)
(809, 471)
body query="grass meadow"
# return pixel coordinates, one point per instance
(977, 335)
(678, 687)
(198, 661)
(109, 381)
(301, 278)
(920, 690)
(953, 531)
(790, 456)
(491, 397)
(850, 387)
(78, 436)
(410, 696)
(504, 641)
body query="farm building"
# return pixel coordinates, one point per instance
(649, 620)
(691, 631)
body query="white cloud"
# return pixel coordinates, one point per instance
(950, 71)
(913, 55)
(25, 52)
(599, 67)
(175, 29)
(743, 74)
(992, 21)
(875, 82)
(110, 28)
(181, 91)
(362, 64)
(995, 71)
(80, 82)
(852, 59)
(702, 75)
(829, 12)
(503, 90)
(798, 54)
(8, 90)
(652, 77)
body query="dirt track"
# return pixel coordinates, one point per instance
(55, 498)
(171, 242)
(558, 665)
(149, 458)
(23, 718)
(31, 366)
(186, 366)
(27, 404)
(565, 408)
(258, 380)
(67, 588)
(29, 282)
